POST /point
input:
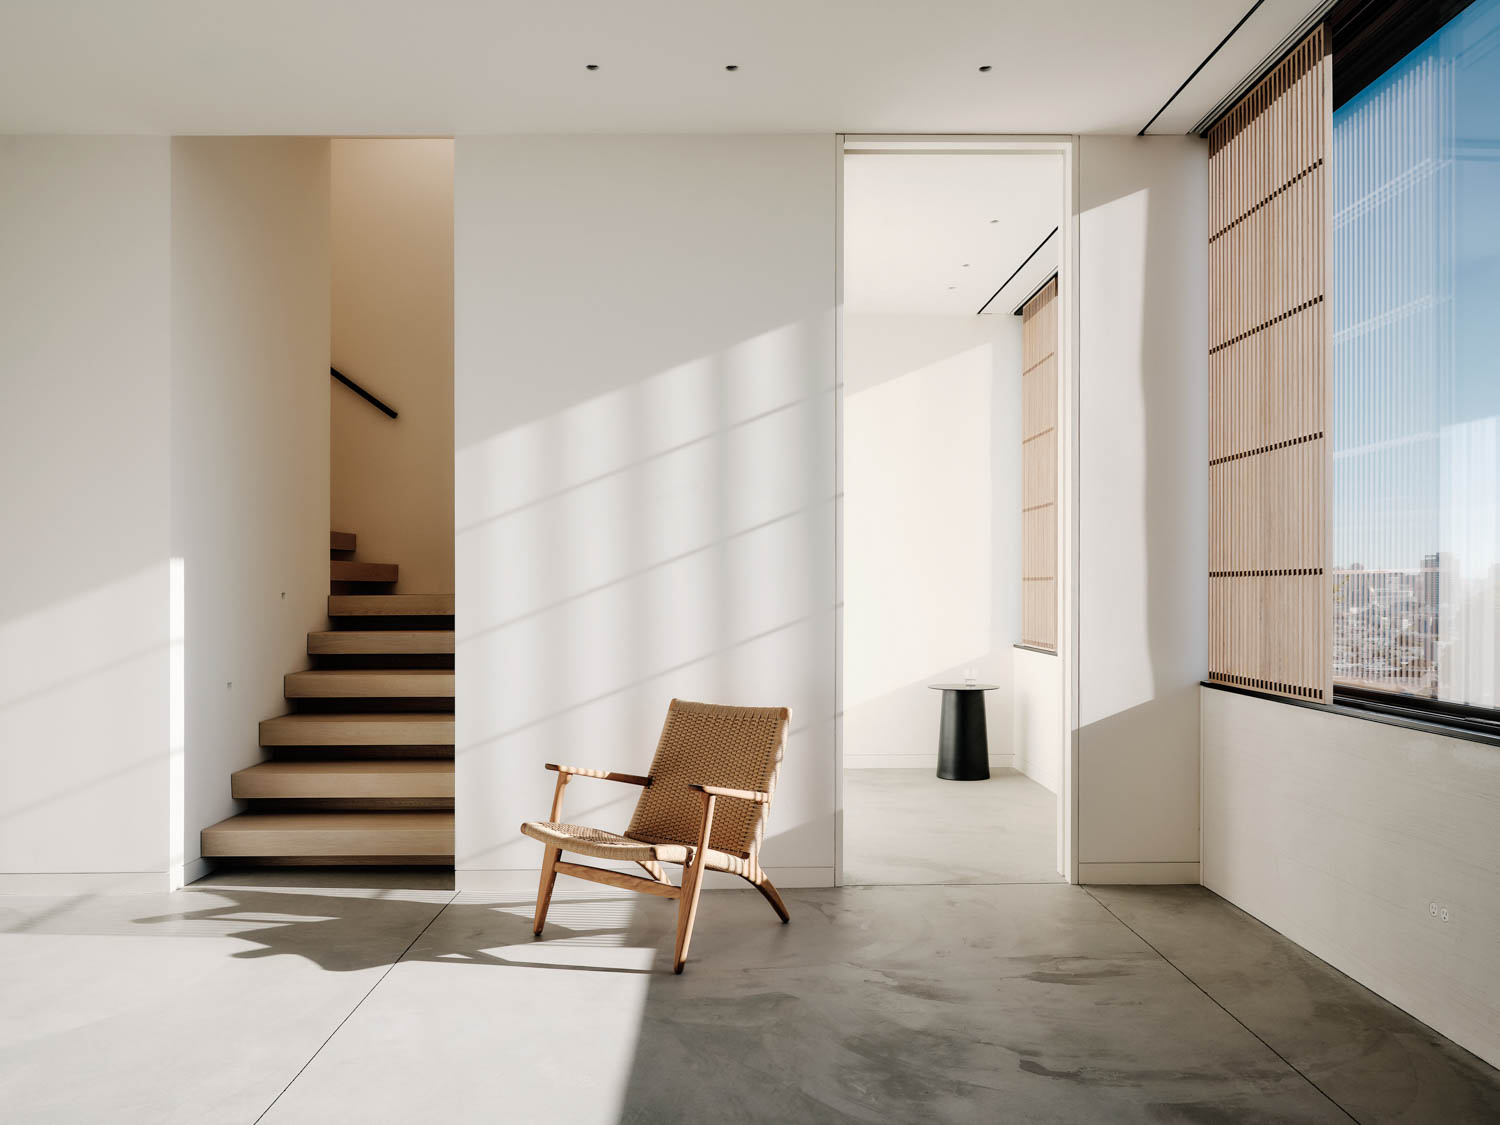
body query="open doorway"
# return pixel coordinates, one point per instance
(954, 725)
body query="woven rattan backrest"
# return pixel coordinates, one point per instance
(705, 744)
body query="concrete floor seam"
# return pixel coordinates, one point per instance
(350, 1014)
(1289, 1064)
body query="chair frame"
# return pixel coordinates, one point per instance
(693, 867)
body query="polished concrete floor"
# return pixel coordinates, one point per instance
(910, 826)
(239, 1000)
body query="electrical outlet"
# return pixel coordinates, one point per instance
(1432, 908)
(1443, 913)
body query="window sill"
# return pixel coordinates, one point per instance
(1033, 648)
(1372, 712)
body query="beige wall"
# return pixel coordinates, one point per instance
(84, 644)
(392, 308)
(249, 441)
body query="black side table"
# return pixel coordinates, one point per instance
(963, 740)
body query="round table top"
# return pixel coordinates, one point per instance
(964, 687)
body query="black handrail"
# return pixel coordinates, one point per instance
(360, 391)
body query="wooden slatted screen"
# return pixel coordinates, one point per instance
(1269, 371)
(1039, 469)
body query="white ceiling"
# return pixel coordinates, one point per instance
(937, 235)
(443, 67)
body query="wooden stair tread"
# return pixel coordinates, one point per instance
(359, 683)
(342, 540)
(404, 642)
(383, 729)
(390, 605)
(347, 570)
(331, 834)
(400, 778)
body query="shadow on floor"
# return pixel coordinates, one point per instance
(334, 931)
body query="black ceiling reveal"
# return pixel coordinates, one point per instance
(1371, 36)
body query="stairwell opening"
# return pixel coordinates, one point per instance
(355, 766)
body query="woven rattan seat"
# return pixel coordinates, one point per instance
(703, 805)
(600, 844)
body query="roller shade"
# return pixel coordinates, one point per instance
(1039, 469)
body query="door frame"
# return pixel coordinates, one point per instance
(957, 144)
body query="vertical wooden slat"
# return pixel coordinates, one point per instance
(1270, 386)
(1039, 469)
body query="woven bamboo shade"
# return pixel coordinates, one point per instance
(1039, 469)
(1269, 370)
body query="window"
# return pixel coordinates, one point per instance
(1415, 161)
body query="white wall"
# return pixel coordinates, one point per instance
(250, 438)
(932, 503)
(645, 470)
(1341, 833)
(1036, 715)
(84, 360)
(1142, 551)
(392, 308)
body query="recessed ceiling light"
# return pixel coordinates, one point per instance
(984, 70)
(592, 66)
(731, 67)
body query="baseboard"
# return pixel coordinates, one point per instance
(83, 882)
(914, 761)
(1139, 873)
(510, 881)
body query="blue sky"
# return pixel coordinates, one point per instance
(1416, 304)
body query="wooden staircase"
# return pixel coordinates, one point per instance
(361, 768)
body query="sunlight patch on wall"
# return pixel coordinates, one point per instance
(79, 679)
(176, 719)
(671, 531)
(1114, 506)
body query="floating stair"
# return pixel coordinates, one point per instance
(381, 642)
(347, 570)
(390, 605)
(405, 837)
(360, 683)
(298, 781)
(381, 729)
(361, 769)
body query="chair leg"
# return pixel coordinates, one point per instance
(687, 914)
(768, 891)
(544, 891)
(692, 886)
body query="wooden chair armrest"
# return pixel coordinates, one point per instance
(603, 775)
(756, 795)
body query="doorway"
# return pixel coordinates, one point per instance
(954, 359)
